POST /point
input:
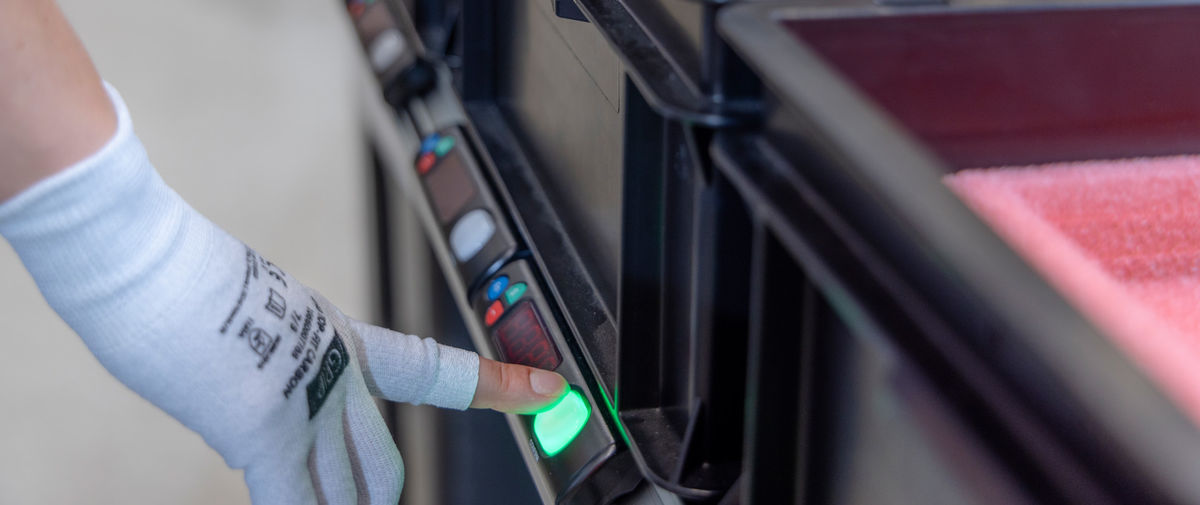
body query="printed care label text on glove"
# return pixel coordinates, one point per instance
(272, 319)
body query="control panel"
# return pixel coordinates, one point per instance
(569, 448)
(467, 214)
(388, 50)
(392, 50)
(570, 440)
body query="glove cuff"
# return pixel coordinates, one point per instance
(106, 237)
(458, 376)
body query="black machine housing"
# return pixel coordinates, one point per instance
(731, 223)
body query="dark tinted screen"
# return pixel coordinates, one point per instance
(450, 186)
(521, 338)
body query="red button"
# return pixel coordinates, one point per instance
(493, 313)
(356, 9)
(425, 162)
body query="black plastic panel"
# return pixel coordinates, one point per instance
(559, 475)
(454, 184)
(1021, 388)
(562, 95)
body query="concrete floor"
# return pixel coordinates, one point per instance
(249, 109)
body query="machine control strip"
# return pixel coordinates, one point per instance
(467, 214)
(568, 446)
(569, 438)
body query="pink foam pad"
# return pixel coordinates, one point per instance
(1121, 240)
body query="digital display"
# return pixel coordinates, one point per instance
(450, 186)
(521, 338)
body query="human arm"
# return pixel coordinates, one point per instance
(149, 284)
(54, 110)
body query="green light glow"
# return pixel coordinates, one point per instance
(557, 426)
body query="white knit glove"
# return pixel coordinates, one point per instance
(270, 374)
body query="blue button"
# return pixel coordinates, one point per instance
(497, 287)
(429, 143)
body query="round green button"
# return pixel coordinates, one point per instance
(514, 293)
(444, 145)
(557, 426)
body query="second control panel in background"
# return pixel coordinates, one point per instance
(462, 206)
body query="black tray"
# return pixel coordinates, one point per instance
(935, 363)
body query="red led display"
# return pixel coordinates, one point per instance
(521, 338)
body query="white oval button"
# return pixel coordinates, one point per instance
(386, 49)
(471, 233)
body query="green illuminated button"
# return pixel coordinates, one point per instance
(557, 426)
(514, 293)
(444, 145)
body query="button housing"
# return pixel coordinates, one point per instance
(593, 450)
(594, 443)
(454, 185)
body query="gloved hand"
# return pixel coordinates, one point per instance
(273, 377)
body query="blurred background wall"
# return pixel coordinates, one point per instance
(249, 109)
